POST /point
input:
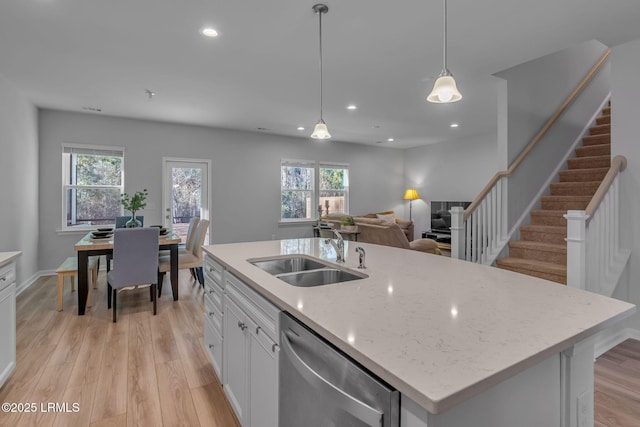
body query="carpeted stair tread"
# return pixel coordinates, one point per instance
(544, 270)
(539, 251)
(548, 217)
(543, 233)
(589, 162)
(565, 202)
(603, 138)
(547, 247)
(606, 111)
(582, 175)
(604, 120)
(583, 188)
(544, 228)
(599, 129)
(594, 150)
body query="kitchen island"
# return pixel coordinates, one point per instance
(465, 344)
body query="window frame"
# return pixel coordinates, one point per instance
(315, 190)
(72, 148)
(302, 164)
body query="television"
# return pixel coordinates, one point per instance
(441, 217)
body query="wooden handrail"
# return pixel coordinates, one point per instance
(618, 164)
(541, 133)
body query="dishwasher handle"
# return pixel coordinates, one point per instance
(338, 397)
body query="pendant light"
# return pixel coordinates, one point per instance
(320, 131)
(444, 90)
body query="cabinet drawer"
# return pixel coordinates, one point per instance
(214, 272)
(213, 344)
(216, 295)
(7, 275)
(213, 314)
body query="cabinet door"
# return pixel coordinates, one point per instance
(7, 332)
(263, 383)
(235, 358)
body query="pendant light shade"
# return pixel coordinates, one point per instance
(320, 131)
(444, 89)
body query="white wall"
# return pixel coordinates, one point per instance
(534, 92)
(453, 170)
(625, 140)
(245, 176)
(19, 179)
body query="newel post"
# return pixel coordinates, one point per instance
(576, 249)
(457, 232)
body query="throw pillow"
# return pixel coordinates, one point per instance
(388, 219)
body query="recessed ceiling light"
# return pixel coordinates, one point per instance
(209, 32)
(351, 107)
(375, 127)
(262, 129)
(300, 128)
(454, 125)
(390, 139)
(378, 142)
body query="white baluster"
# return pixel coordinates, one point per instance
(457, 233)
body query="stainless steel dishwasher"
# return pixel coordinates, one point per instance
(320, 386)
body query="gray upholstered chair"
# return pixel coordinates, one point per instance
(121, 221)
(190, 260)
(135, 255)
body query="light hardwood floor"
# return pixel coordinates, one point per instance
(150, 370)
(144, 370)
(617, 386)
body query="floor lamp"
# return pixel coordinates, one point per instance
(411, 194)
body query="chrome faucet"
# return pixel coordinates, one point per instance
(338, 245)
(361, 254)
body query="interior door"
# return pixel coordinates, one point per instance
(185, 193)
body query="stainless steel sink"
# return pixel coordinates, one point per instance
(302, 271)
(323, 276)
(277, 266)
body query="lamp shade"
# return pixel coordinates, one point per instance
(321, 131)
(411, 194)
(444, 90)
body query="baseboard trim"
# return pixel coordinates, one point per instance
(606, 340)
(30, 281)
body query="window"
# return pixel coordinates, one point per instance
(299, 180)
(296, 189)
(92, 181)
(334, 188)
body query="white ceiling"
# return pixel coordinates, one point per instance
(263, 71)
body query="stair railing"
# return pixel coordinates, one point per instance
(479, 233)
(595, 259)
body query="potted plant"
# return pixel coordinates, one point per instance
(348, 224)
(133, 204)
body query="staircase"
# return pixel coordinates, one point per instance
(542, 250)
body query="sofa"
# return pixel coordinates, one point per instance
(379, 218)
(380, 232)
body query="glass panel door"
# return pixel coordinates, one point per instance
(186, 193)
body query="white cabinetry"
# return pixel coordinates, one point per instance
(214, 313)
(250, 372)
(7, 319)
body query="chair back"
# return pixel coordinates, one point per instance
(193, 224)
(135, 256)
(201, 233)
(121, 221)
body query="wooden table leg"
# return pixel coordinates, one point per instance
(173, 250)
(83, 281)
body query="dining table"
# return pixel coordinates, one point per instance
(90, 246)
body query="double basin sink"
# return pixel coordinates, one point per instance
(303, 271)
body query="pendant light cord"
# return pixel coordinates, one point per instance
(444, 47)
(320, 32)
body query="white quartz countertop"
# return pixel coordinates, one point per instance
(6, 257)
(437, 329)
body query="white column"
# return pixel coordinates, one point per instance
(457, 232)
(576, 248)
